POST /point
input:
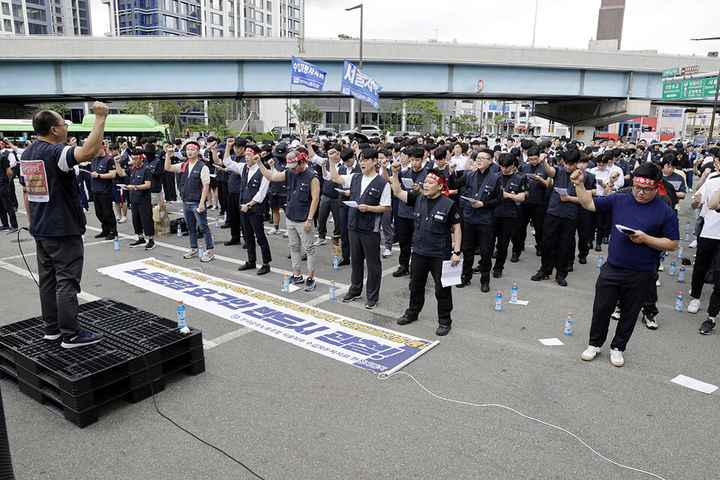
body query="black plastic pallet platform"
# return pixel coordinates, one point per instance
(138, 352)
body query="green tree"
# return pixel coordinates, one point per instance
(307, 114)
(390, 114)
(60, 108)
(464, 123)
(164, 111)
(342, 36)
(420, 113)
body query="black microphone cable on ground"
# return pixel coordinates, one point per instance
(152, 391)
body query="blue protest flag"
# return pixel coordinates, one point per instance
(360, 85)
(303, 73)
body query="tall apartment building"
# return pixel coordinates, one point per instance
(207, 18)
(45, 17)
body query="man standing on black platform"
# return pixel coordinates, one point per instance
(371, 196)
(485, 188)
(436, 216)
(57, 221)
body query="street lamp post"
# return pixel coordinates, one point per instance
(359, 103)
(717, 89)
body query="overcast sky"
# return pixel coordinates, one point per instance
(662, 25)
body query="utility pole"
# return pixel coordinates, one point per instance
(359, 103)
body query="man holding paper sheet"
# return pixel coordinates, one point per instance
(412, 180)
(436, 216)
(629, 271)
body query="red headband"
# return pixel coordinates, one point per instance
(445, 189)
(652, 183)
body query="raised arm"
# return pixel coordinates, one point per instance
(94, 141)
(399, 193)
(273, 177)
(584, 198)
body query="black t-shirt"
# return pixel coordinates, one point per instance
(4, 165)
(431, 202)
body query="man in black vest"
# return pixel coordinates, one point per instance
(139, 181)
(505, 215)
(253, 190)
(303, 197)
(435, 217)
(102, 172)
(371, 196)
(235, 152)
(533, 208)
(57, 221)
(406, 216)
(485, 188)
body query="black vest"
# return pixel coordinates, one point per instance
(234, 178)
(365, 222)
(431, 237)
(404, 210)
(248, 189)
(279, 188)
(508, 207)
(191, 185)
(482, 192)
(556, 206)
(298, 194)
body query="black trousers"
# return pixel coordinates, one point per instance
(558, 245)
(504, 227)
(406, 227)
(365, 247)
(704, 256)
(536, 213)
(168, 181)
(233, 211)
(252, 228)
(473, 236)
(105, 213)
(328, 205)
(222, 196)
(7, 210)
(421, 266)
(649, 308)
(603, 226)
(344, 236)
(60, 264)
(630, 288)
(585, 222)
(142, 219)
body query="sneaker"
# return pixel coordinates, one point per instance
(706, 327)
(515, 258)
(122, 219)
(274, 231)
(51, 336)
(101, 235)
(387, 253)
(296, 279)
(560, 281)
(370, 304)
(309, 284)
(12, 230)
(3, 228)
(138, 242)
(349, 297)
(401, 271)
(693, 244)
(657, 282)
(661, 268)
(209, 255)
(194, 252)
(650, 322)
(694, 305)
(582, 260)
(117, 218)
(616, 358)
(540, 275)
(404, 320)
(590, 353)
(320, 241)
(616, 314)
(442, 330)
(150, 245)
(81, 339)
(463, 284)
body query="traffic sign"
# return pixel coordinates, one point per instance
(694, 88)
(681, 71)
(480, 86)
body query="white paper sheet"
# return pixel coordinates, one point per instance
(451, 275)
(694, 384)
(561, 191)
(351, 203)
(469, 199)
(341, 190)
(121, 186)
(676, 184)
(624, 229)
(550, 341)
(407, 182)
(519, 302)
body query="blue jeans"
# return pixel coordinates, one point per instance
(194, 221)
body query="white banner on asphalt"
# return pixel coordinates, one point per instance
(342, 338)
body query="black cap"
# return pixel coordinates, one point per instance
(359, 137)
(281, 150)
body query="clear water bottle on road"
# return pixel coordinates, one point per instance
(336, 262)
(673, 265)
(681, 275)
(201, 251)
(116, 244)
(680, 250)
(83, 238)
(568, 324)
(600, 260)
(179, 231)
(332, 289)
(679, 302)
(687, 225)
(514, 293)
(687, 236)
(217, 222)
(286, 284)
(498, 302)
(181, 315)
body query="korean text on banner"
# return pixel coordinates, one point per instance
(33, 171)
(303, 73)
(350, 341)
(357, 83)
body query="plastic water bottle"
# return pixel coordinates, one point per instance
(217, 222)
(336, 263)
(498, 302)
(286, 284)
(681, 276)
(225, 217)
(678, 208)
(687, 225)
(600, 260)
(680, 250)
(201, 249)
(687, 236)
(332, 289)
(83, 238)
(179, 232)
(514, 293)
(568, 325)
(679, 302)
(181, 314)
(116, 244)
(672, 268)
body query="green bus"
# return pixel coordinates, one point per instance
(117, 125)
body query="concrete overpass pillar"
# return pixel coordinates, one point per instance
(583, 112)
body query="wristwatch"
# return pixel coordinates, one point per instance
(457, 253)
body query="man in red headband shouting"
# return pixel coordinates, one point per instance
(643, 226)
(435, 217)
